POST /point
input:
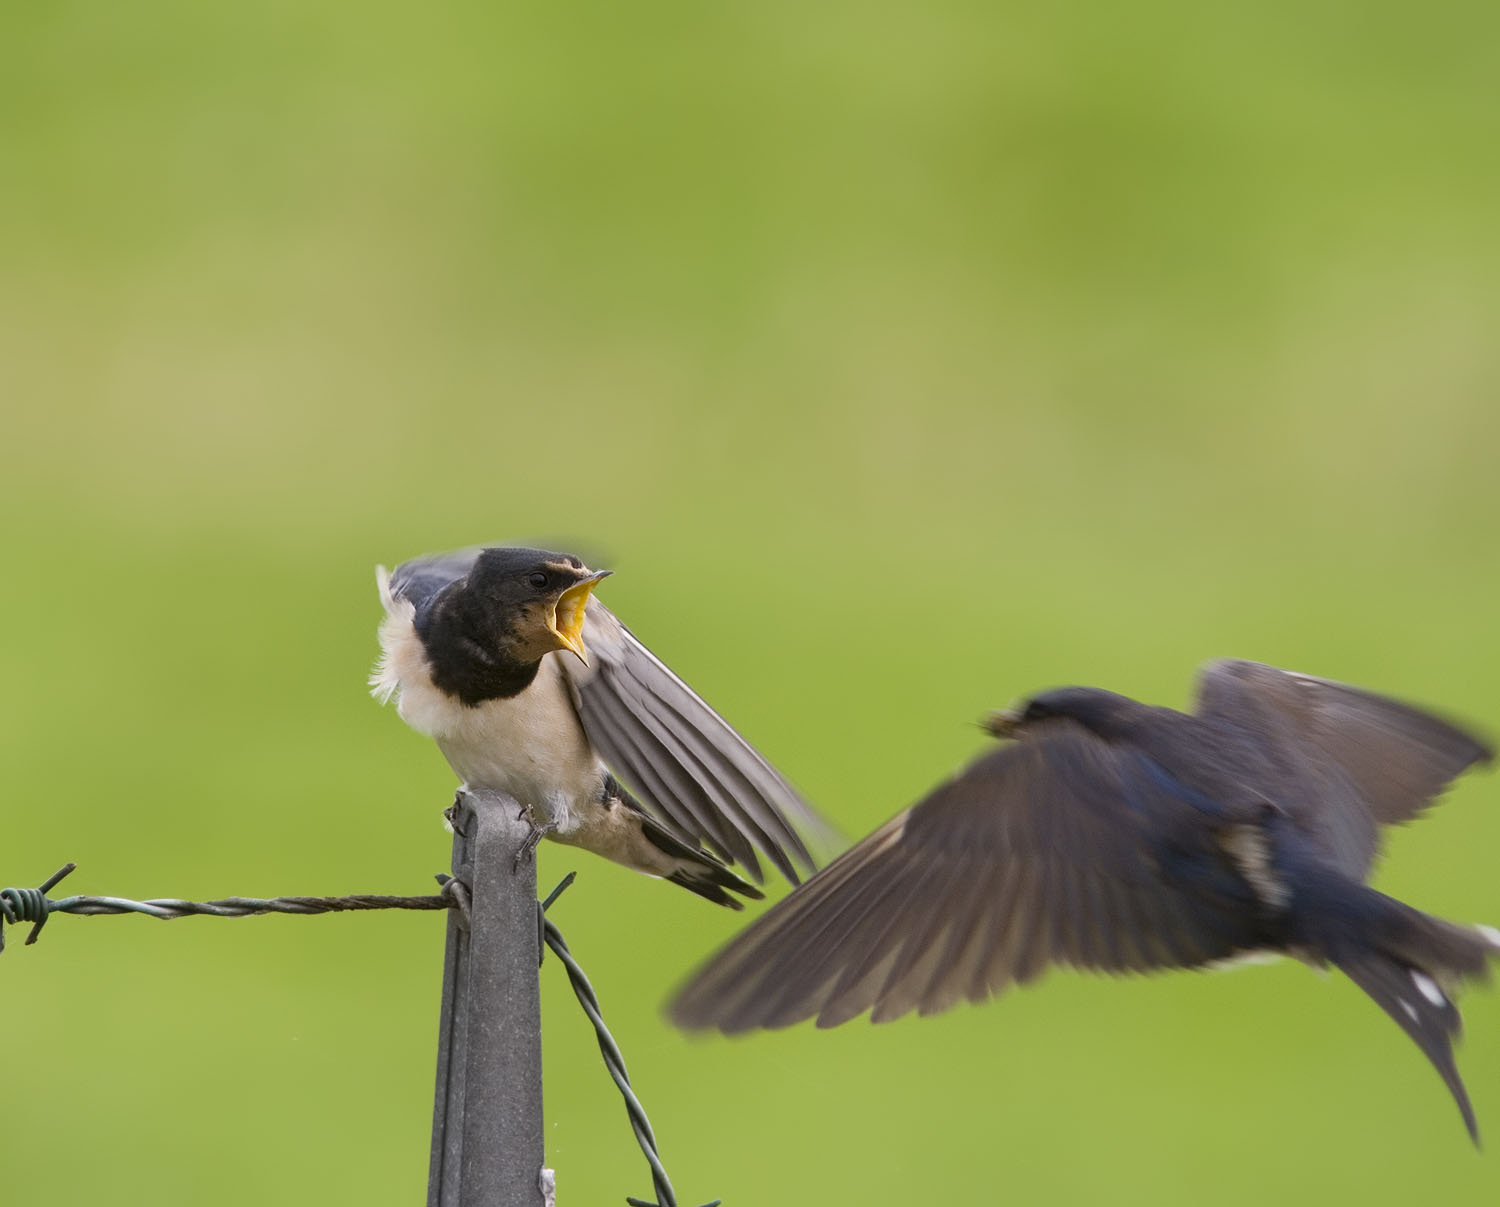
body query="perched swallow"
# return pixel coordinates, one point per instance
(533, 689)
(1115, 836)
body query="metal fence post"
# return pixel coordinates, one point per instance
(488, 1145)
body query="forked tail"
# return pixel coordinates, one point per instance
(1412, 964)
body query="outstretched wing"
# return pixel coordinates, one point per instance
(679, 757)
(683, 759)
(1060, 848)
(1371, 758)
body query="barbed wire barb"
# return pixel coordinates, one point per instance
(18, 905)
(30, 904)
(33, 905)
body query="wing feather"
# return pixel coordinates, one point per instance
(1365, 760)
(636, 710)
(1031, 856)
(682, 744)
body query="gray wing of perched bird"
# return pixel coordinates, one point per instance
(681, 757)
(420, 578)
(1376, 760)
(1049, 850)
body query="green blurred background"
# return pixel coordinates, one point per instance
(901, 360)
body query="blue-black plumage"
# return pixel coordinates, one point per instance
(1121, 837)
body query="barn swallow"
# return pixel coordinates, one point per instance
(531, 687)
(1107, 834)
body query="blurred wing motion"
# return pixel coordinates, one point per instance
(1370, 760)
(1052, 849)
(683, 759)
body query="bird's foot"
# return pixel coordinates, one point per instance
(529, 845)
(451, 813)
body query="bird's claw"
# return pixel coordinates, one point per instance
(529, 844)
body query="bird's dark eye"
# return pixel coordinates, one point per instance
(537, 579)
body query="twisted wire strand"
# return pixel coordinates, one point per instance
(19, 905)
(167, 908)
(22, 905)
(614, 1059)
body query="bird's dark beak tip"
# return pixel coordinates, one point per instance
(1001, 724)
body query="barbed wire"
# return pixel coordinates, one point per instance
(614, 1059)
(33, 905)
(22, 905)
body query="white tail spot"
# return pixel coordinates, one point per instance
(1489, 934)
(1409, 1008)
(1429, 988)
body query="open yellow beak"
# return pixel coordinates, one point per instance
(568, 613)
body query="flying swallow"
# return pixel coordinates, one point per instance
(1110, 835)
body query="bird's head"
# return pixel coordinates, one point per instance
(1092, 707)
(1008, 722)
(534, 599)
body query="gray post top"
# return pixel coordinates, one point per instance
(487, 1135)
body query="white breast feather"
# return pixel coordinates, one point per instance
(398, 642)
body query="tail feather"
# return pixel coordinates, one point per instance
(698, 871)
(1411, 965)
(709, 888)
(1423, 1009)
(1442, 949)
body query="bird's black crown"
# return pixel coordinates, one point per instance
(486, 633)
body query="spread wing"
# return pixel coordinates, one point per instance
(1369, 760)
(1060, 848)
(680, 757)
(677, 754)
